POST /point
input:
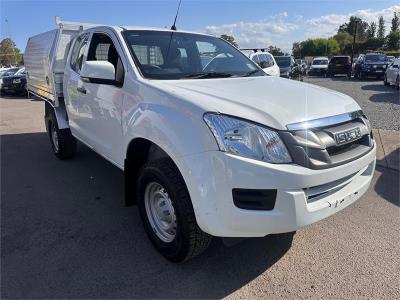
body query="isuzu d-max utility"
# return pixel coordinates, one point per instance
(210, 145)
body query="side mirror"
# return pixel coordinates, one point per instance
(100, 72)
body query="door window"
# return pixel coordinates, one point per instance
(102, 48)
(78, 52)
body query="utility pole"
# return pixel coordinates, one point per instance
(354, 41)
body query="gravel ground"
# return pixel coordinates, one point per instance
(380, 103)
(65, 234)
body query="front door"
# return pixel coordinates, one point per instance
(104, 101)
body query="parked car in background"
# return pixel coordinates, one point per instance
(392, 75)
(370, 64)
(339, 65)
(390, 58)
(8, 71)
(286, 64)
(319, 66)
(13, 82)
(264, 59)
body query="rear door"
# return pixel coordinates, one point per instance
(104, 101)
(74, 95)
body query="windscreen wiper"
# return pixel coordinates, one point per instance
(209, 75)
(251, 73)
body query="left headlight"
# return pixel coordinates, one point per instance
(247, 139)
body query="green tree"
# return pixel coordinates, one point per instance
(393, 38)
(343, 39)
(349, 27)
(381, 28)
(296, 50)
(275, 50)
(316, 47)
(230, 39)
(371, 31)
(9, 54)
(395, 22)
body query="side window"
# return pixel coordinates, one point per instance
(102, 48)
(78, 52)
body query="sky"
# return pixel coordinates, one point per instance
(253, 23)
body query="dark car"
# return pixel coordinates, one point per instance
(13, 83)
(339, 65)
(288, 67)
(371, 64)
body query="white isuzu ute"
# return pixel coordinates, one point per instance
(210, 145)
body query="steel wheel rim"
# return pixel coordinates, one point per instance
(160, 212)
(54, 137)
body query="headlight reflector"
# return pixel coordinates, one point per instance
(247, 139)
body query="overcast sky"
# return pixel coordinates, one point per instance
(252, 23)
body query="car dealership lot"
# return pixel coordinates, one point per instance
(58, 242)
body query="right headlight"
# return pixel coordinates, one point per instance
(247, 139)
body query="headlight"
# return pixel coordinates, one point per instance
(17, 80)
(247, 139)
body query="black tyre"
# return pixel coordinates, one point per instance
(385, 82)
(362, 76)
(397, 84)
(62, 141)
(349, 75)
(167, 213)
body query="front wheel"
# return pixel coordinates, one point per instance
(167, 213)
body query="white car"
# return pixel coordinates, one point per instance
(266, 61)
(209, 147)
(319, 66)
(392, 74)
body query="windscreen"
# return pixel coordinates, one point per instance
(375, 57)
(178, 55)
(283, 61)
(340, 60)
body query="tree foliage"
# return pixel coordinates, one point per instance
(230, 39)
(275, 51)
(369, 37)
(381, 28)
(316, 47)
(350, 27)
(371, 31)
(9, 54)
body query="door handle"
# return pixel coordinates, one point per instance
(81, 89)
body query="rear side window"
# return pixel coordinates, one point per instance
(78, 52)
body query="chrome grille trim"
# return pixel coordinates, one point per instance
(324, 122)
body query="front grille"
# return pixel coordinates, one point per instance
(329, 146)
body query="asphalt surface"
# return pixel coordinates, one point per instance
(380, 103)
(65, 233)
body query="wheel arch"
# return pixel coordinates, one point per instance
(139, 151)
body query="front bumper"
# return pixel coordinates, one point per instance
(374, 72)
(15, 88)
(211, 176)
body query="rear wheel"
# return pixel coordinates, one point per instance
(167, 213)
(62, 141)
